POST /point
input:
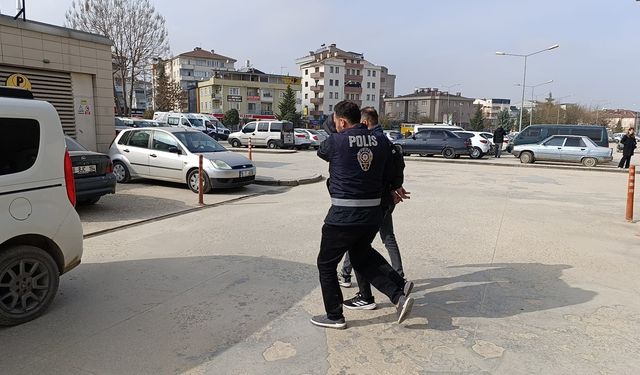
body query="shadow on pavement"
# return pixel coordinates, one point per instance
(154, 316)
(123, 207)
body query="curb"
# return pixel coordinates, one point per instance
(542, 166)
(267, 181)
(262, 151)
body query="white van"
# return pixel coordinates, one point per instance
(185, 120)
(214, 127)
(40, 231)
(272, 134)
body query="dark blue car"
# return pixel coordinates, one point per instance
(92, 173)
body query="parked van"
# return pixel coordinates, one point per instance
(214, 127)
(536, 133)
(40, 231)
(185, 120)
(272, 134)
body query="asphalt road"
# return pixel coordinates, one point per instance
(518, 270)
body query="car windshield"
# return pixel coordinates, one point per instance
(197, 142)
(72, 145)
(196, 122)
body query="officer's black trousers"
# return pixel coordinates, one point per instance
(336, 241)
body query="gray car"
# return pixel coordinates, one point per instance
(172, 154)
(564, 148)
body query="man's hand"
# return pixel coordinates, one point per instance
(399, 195)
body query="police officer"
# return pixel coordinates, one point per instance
(360, 170)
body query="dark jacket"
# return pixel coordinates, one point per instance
(397, 168)
(360, 173)
(629, 143)
(498, 135)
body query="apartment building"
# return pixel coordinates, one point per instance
(491, 108)
(190, 67)
(432, 104)
(387, 87)
(330, 75)
(253, 93)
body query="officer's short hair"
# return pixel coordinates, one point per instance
(370, 114)
(348, 110)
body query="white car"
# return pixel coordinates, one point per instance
(480, 145)
(172, 154)
(311, 138)
(40, 231)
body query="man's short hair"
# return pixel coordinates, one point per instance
(348, 110)
(369, 114)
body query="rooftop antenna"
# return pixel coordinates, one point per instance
(20, 7)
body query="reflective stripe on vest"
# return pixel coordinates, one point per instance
(355, 202)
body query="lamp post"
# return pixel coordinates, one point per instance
(533, 87)
(524, 78)
(449, 121)
(560, 105)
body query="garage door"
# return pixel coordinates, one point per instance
(53, 87)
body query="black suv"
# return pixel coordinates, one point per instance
(435, 141)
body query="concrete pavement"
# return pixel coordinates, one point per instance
(517, 271)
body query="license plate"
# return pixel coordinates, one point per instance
(246, 173)
(84, 169)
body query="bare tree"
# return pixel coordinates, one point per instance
(137, 30)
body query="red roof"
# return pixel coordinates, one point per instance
(204, 54)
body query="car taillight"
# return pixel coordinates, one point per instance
(483, 141)
(68, 178)
(109, 167)
(315, 137)
(300, 136)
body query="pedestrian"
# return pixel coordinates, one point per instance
(498, 140)
(364, 299)
(630, 143)
(359, 173)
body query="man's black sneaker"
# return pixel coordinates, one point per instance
(344, 281)
(403, 308)
(323, 321)
(408, 287)
(359, 303)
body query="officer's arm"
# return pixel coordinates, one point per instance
(326, 149)
(397, 163)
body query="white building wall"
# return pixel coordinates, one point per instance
(371, 86)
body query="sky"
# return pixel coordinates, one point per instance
(425, 43)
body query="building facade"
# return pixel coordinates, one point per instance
(70, 69)
(191, 67)
(330, 75)
(253, 93)
(387, 87)
(628, 119)
(492, 107)
(431, 104)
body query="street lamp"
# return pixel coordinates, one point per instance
(524, 78)
(560, 105)
(449, 121)
(533, 87)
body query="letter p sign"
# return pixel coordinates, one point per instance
(19, 81)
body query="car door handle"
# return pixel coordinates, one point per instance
(153, 155)
(559, 148)
(126, 150)
(582, 149)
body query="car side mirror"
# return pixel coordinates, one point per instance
(175, 150)
(413, 137)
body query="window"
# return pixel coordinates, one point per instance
(368, 85)
(373, 85)
(574, 142)
(251, 107)
(263, 126)
(374, 73)
(357, 96)
(358, 72)
(337, 82)
(306, 83)
(276, 127)
(330, 107)
(306, 96)
(337, 69)
(330, 94)
(306, 72)
(596, 134)
(317, 69)
(249, 128)
(437, 134)
(140, 138)
(555, 141)
(163, 141)
(368, 97)
(373, 97)
(234, 90)
(336, 95)
(331, 69)
(330, 82)
(532, 132)
(234, 105)
(19, 145)
(368, 72)
(422, 135)
(173, 121)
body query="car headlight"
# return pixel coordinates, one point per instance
(220, 164)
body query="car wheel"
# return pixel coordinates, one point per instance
(122, 172)
(29, 280)
(272, 145)
(589, 162)
(88, 202)
(476, 153)
(526, 157)
(236, 143)
(192, 182)
(316, 147)
(423, 155)
(449, 153)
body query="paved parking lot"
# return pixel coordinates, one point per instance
(518, 270)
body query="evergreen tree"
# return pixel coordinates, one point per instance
(504, 119)
(287, 107)
(477, 121)
(618, 128)
(231, 117)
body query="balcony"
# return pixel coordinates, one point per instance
(317, 101)
(216, 97)
(267, 113)
(317, 88)
(317, 75)
(253, 98)
(352, 77)
(266, 98)
(316, 113)
(352, 90)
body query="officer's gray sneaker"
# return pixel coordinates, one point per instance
(408, 287)
(403, 308)
(325, 322)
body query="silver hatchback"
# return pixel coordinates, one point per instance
(564, 148)
(172, 154)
